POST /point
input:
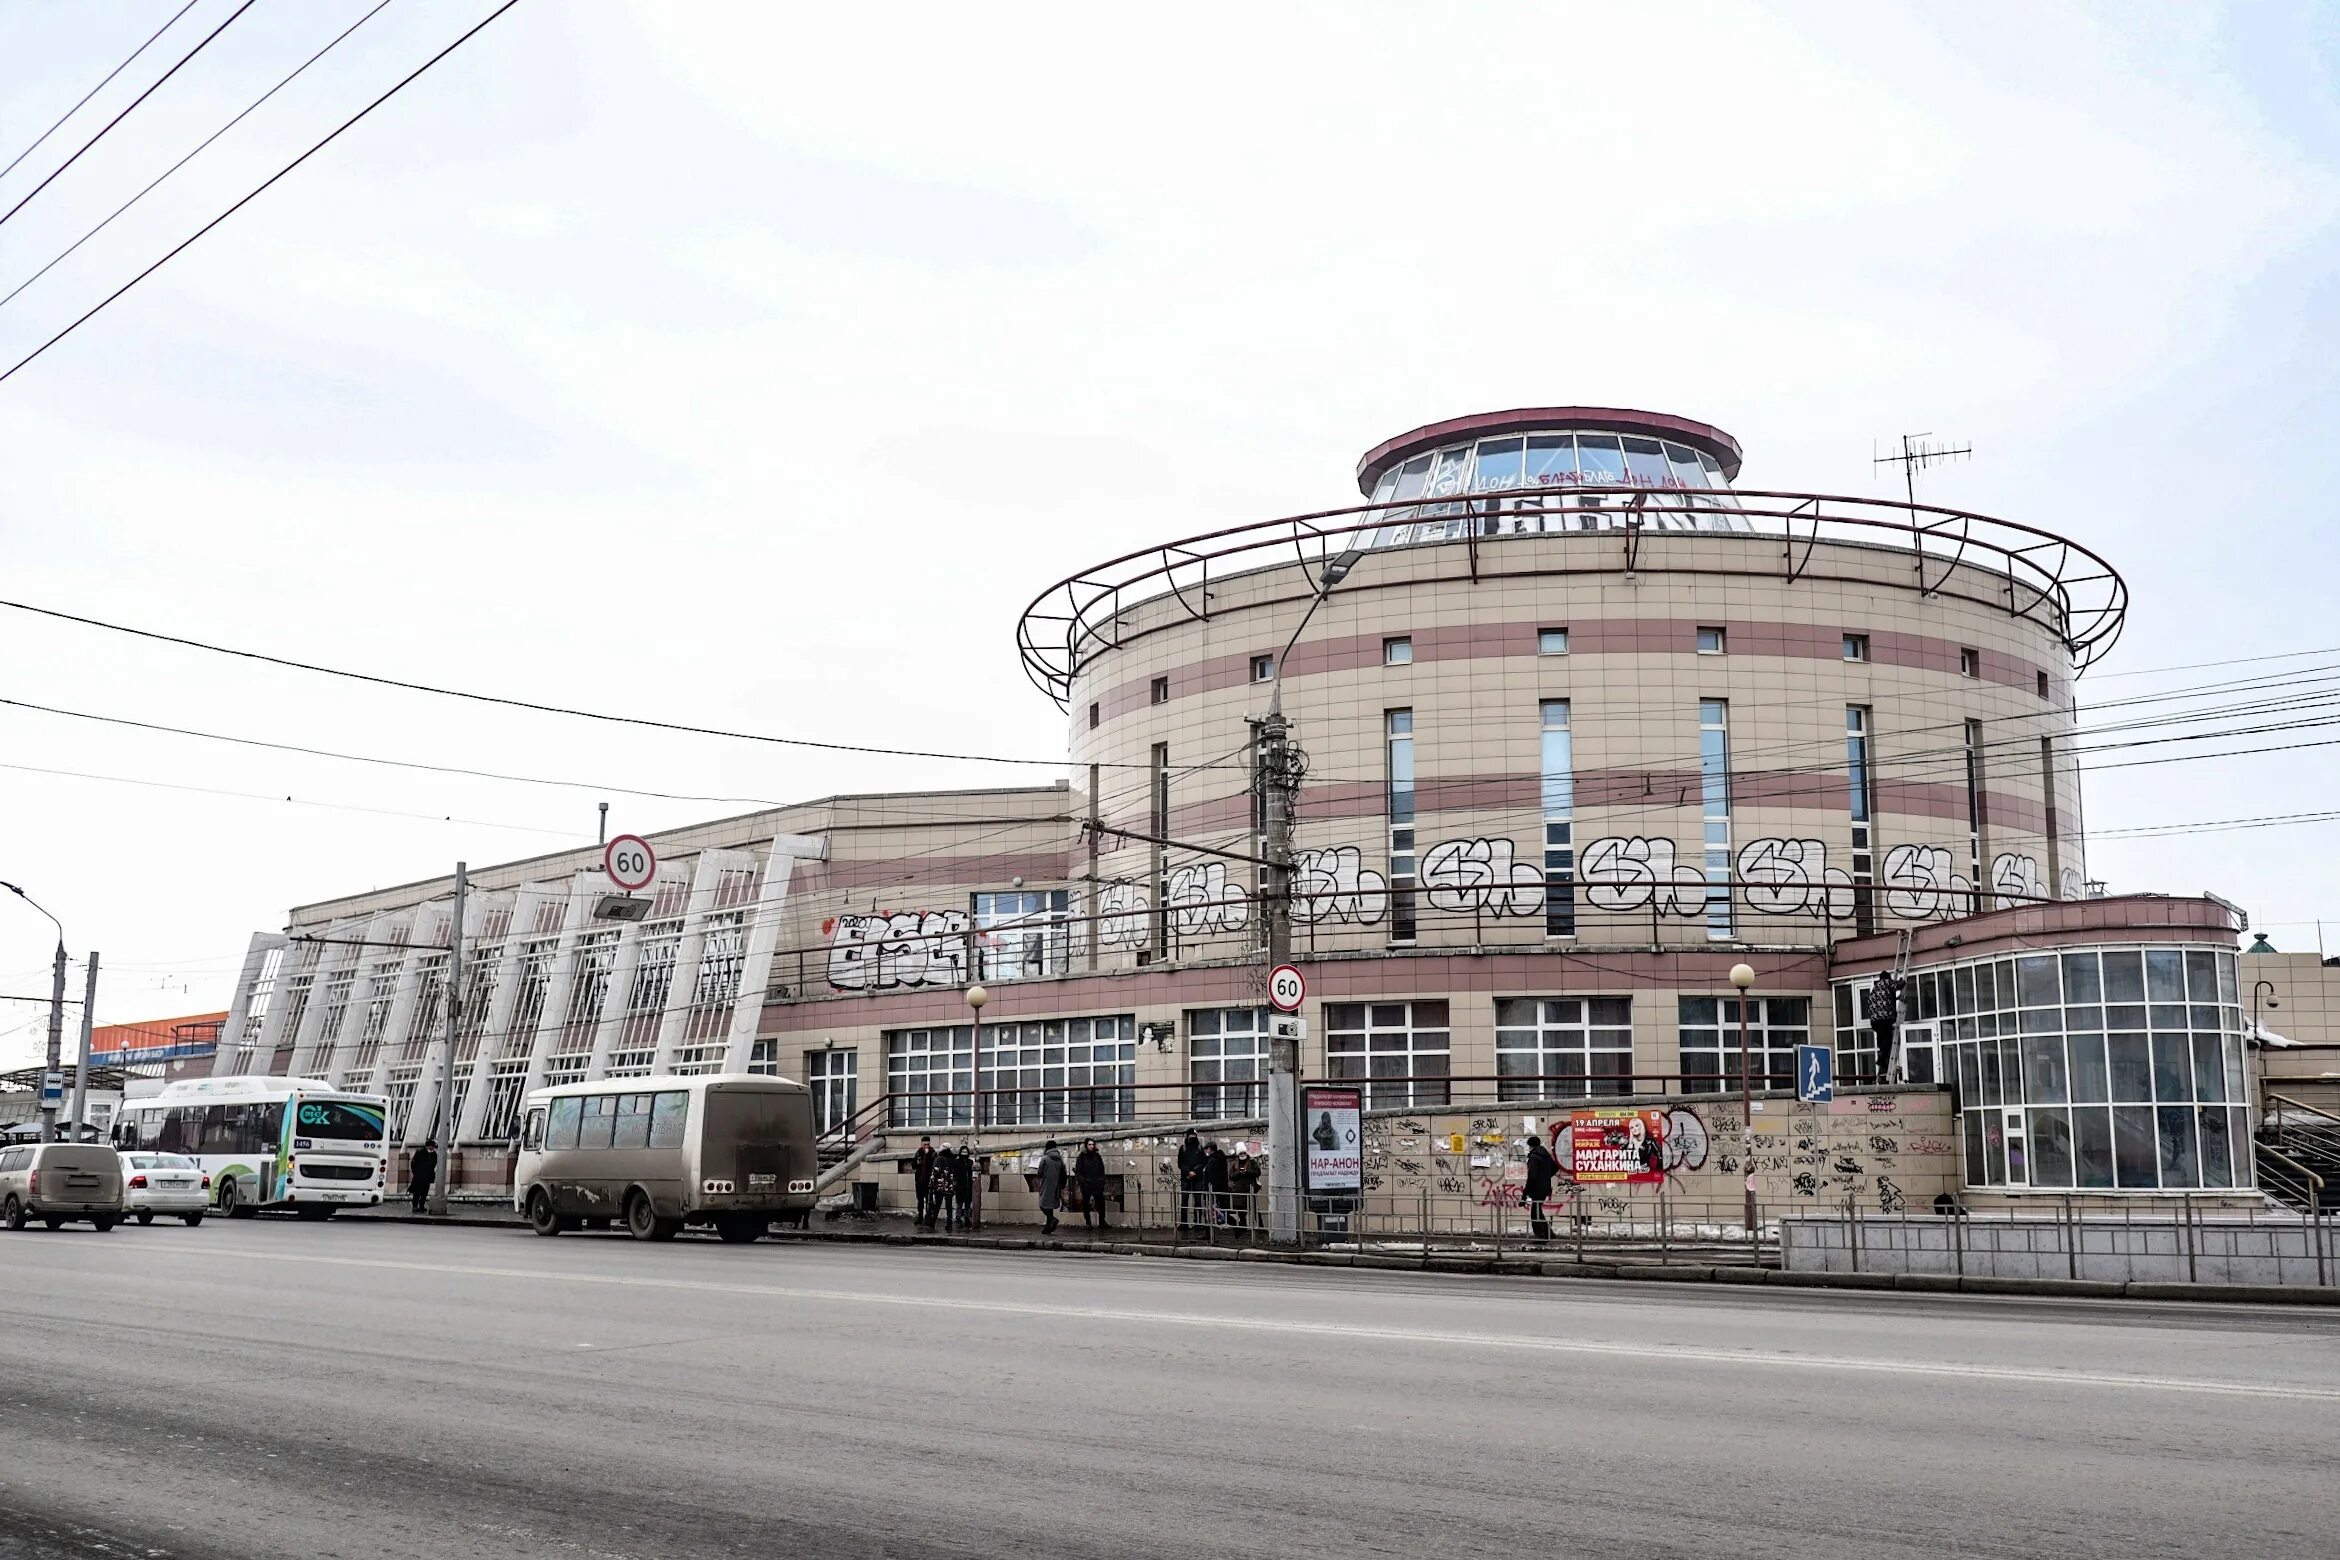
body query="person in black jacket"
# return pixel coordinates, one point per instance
(1541, 1168)
(962, 1188)
(421, 1171)
(1191, 1189)
(923, 1182)
(1215, 1181)
(1089, 1171)
(1051, 1186)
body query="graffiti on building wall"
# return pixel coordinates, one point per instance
(1122, 912)
(1202, 899)
(1793, 877)
(1335, 885)
(1626, 873)
(1483, 876)
(2016, 880)
(885, 950)
(1921, 883)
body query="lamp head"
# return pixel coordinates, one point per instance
(1742, 975)
(976, 997)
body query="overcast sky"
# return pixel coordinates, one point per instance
(753, 365)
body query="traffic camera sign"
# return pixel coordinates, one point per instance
(1287, 989)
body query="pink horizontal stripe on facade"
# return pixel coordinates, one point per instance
(917, 871)
(1593, 636)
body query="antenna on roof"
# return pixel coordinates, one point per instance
(1915, 455)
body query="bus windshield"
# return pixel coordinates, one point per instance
(338, 1119)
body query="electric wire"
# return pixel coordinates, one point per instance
(62, 255)
(125, 113)
(40, 139)
(256, 191)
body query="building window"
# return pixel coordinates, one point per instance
(1159, 814)
(1969, 661)
(1709, 1029)
(1710, 641)
(2096, 1069)
(1551, 641)
(1856, 647)
(930, 1076)
(1397, 652)
(1022, 935)
(1398, 728)
(2052, 825)
(1263, 668)
(1056, 1071)
(1092, 715)
(2043, 684)
(1559, 805)
(1403, 1050)
(1227, 1062)
(1160, 693)
(1861, 790)
(833, 1077)
(1976, 847)
(1714, 788)
(1563, 1048)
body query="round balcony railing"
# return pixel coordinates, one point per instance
(2031, 573)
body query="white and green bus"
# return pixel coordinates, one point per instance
(296, 1143)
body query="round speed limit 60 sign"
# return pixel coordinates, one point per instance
(1286, 989)
(630, 862)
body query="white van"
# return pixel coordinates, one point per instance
(54, 1182)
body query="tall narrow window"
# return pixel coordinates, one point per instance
(1969, 661)
(1398, 726)
(1714, 787)
(1092, 715)
(2047, 809)
(1975, 813)
(1158, 817)
(1559, 817)
(1861, 789)
(1159, 692)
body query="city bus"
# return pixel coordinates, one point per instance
(296, 1143)
(730, 1150)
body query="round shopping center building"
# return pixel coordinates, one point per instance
(1583, 722)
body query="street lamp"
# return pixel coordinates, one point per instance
(2259, 1038)
(1743, 976)
(56, 1015)
(976, 997)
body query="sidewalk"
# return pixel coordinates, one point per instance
(1633, 1265)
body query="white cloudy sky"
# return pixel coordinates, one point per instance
(752, 365)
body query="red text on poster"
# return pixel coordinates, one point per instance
(1617, 1145)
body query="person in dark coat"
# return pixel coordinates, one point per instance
(422, 1171)
(1541, 1168)
(1191, 1190)
(1051, 1185)
(962, 1188)
(923, 1182)
(1215, 1181)
(1243, 1177)
(1089, 1171)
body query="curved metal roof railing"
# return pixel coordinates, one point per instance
(2037, 575)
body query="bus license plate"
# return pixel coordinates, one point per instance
(762, 1182)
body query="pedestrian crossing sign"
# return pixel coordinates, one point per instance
(1815, 1074)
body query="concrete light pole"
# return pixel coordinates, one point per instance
(446, 1113)
(56, 1013)
(1743, 976)
(976, 997)
(80, 1116)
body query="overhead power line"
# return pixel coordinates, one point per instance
(190, 157)
(125, 113)
(42, 138)
(257, 190)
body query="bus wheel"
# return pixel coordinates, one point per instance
(739, 1228)
(13, 1215)
(229, 1203)
(541, 1217)
(643, 1222)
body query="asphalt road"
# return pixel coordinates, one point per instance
(279, 1389)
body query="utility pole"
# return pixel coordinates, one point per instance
(1275, 771)
(438, 1203)
(81, 1067)
(56, 1044)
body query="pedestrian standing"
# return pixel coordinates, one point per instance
(421, 1171)
(922, 1181)
(1541, 1168)
(1215, 1182)
(1051, 1186)
(1190, 1182)
(1243, 1178)
(963, 1187)
(1089, 1171)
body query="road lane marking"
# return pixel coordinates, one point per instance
(1338, 1331)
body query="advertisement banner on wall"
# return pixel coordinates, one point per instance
(1617, 1145)
(1332, 1141)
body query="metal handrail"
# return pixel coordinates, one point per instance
(2313, 1181)
(2301, 1105)
(1081, 616)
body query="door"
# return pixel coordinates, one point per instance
(833, 1076)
